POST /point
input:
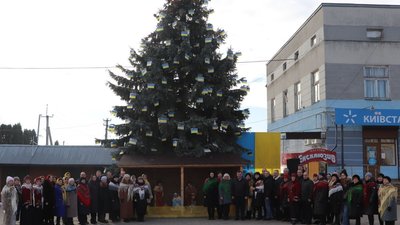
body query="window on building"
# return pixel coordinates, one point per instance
(376, 82)
(273, 105)
(316, 96)
(296, 55)
(313, 40)
(297, 96)
(272, 77)
(285, 101)
(284, 66)
(374, 33)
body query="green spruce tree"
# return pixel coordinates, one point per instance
(182, 95)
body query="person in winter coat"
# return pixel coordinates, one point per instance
(249, 203)
(210, 190)
(276, 206)
(388, 201)
(370, 197)
(320, 194)
(104, 200)
(379, 184)
(335, 196)
(225, 195)
(115, 205)
(307, 187)
(353, 201)
(158, 192)
(142, 198)
(84, 201)
(268, 194)
(258, 195)
(126, 198)
(94, 186)
(190, 194)
(48, 200)
(240, 194)
(284, 196)
(294, 191)
(27, 201)
(9, 199)
(71, 202)
(37, 201)
(59, 200)
(17, 185)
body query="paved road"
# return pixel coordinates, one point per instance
(204, 221)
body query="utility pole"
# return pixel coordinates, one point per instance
(48, 133)
(106, 134)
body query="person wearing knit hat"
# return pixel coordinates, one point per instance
(370, 197)
(71, 201)
(9, 199)
(104, 200)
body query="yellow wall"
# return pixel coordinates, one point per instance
(267, 151)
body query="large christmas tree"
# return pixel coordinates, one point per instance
(182, 95)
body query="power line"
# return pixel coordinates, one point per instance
(112, 67)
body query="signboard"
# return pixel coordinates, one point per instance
(313, 155)
(367, 117)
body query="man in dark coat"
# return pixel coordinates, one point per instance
(306, 199)
(370, 197)
(268, 194)
(320, 193)
(104, 200)
(48, 200)
(240, 193)
(94, 186)
(276, 206)
(115, 205)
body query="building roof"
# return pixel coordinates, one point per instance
(135, 160)
(55, 155)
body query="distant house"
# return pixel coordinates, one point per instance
(20, 160)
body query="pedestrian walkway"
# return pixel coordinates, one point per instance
(204, 221)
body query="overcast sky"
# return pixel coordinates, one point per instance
(99, 33)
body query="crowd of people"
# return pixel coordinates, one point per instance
(324, 199)
(54, 200)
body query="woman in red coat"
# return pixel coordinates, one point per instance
(294, 198)
(27, 201)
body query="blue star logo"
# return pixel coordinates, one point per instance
(350, 117)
